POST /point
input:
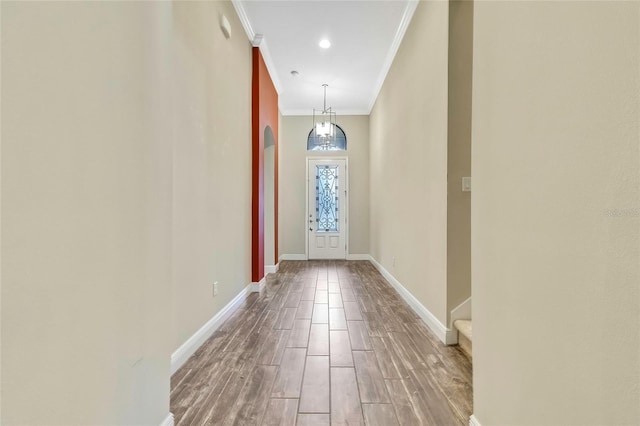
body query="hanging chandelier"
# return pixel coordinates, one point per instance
(324, 123)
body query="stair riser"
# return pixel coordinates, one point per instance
(465, 345)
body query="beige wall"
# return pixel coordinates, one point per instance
(459, 153)
(409, 161)
(269, 205)
(556, 107)
(122, 132)
(86, 212)
(212, 164)
(292, 181)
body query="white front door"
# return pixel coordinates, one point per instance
(327, 208)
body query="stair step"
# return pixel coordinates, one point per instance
(464, 327)
(464, 336)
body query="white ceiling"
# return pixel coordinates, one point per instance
(364, 35)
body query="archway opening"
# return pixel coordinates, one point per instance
(269, 199)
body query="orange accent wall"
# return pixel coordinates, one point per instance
(264, 113)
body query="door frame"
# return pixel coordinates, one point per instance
(346, 202)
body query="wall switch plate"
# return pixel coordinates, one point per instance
(466, 184)
(215, 288)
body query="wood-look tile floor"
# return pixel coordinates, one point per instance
(325, 343)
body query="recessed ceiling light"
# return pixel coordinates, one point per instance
(324, 43)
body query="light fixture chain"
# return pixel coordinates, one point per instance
(325, 128)
(324, 106)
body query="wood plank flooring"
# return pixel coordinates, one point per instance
(325, 343)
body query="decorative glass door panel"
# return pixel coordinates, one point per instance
(327, 202)
(327, 218)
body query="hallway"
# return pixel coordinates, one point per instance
(325, 342)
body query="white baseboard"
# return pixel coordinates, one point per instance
(257, 287)
(304, 257)
(182, 354)
(446, 335)
(292, 257)
(359, 257)
(271, 269)
(473, 421)
(168, 421)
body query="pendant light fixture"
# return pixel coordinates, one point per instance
(324, 123)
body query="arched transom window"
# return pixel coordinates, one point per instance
(318, 143)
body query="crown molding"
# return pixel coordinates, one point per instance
(261, 42)
(266, 55)
(298, 112)
(244, 19)
(393, 50)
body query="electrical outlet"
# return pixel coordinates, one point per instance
(215, 288)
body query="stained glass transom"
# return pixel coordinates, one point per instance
(327, 198)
